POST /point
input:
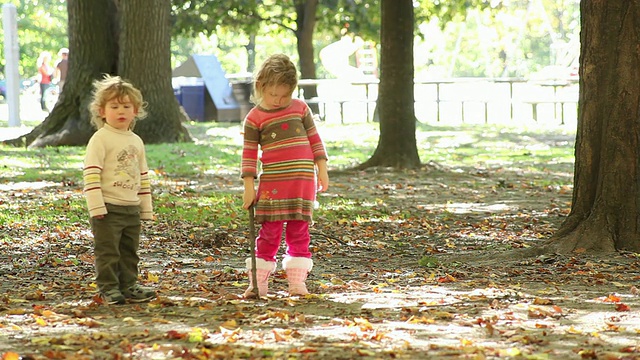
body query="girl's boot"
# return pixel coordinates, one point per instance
(263, 270)
(297, 269)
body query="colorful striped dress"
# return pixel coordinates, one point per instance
(290, 145)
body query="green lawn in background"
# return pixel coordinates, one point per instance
(190, 179)
(217, 149)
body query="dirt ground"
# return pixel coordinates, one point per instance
(439, 277)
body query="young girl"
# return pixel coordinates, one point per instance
(117, 189)
(292, 155)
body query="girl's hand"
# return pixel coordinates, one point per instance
(323, 175)
(99, 217)
(248, 198)
(323, 181)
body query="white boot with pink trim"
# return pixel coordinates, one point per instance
(263, 270)
(297, 269)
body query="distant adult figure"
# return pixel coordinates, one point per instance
(45, 75)
(61, 68)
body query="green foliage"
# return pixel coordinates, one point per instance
(42, 26)
(456, 38)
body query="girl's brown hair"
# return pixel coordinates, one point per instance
(278, 69)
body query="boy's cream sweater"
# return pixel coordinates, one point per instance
(116, 172)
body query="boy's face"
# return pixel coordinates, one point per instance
(119, 113)
(276, 96)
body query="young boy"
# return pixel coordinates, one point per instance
(117, 189)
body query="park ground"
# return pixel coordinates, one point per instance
(419, 264)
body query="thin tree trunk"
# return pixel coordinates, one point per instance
(306, 23)
(397, 143)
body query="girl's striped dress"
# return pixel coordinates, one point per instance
(289, 145)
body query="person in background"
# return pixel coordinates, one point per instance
(294, 168)
(45, 76)
(117, 189)
(61, 68)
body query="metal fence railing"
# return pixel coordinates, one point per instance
(460, 100)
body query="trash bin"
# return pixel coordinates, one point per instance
(178, 93)
(242, 93)
(193, 97)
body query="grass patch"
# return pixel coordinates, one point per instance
(218, 147)
(197, 182)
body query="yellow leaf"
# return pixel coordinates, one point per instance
(573, 330)
(16, 312)
(541, 301)
(229, 324)
(363, 323)
(48, 313)
(466, 342)
(196, 335)
(278, 337)
(10, 356)
(40, 321)
(511, 352)
(154, 278)
(364, 352)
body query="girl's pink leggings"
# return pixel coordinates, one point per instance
(296, 237)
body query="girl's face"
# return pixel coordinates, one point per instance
(276, 96)
(119, 113)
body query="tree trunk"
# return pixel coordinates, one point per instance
(605, 208)
(397, 143)
(144, 59)
(97, 46)
(306, 23)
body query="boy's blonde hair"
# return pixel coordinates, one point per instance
(277, 70)
(113, 87)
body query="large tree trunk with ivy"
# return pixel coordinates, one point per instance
(397, 143)
(605, 207)
(127, 38)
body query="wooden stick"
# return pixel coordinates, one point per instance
(252, 234)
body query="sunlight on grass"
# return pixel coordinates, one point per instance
(217, 150)
(181, 170)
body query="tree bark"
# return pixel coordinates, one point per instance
(306, 23)
(605, 212)
(144, 59)
(397, 142)
(98, 45)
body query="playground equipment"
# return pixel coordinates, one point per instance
(335, 57)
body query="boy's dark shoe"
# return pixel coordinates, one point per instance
(113, 296)
(137, 293)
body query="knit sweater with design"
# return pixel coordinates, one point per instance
(116, 172)
(290, 145)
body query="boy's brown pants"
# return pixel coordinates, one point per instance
(116, 241)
